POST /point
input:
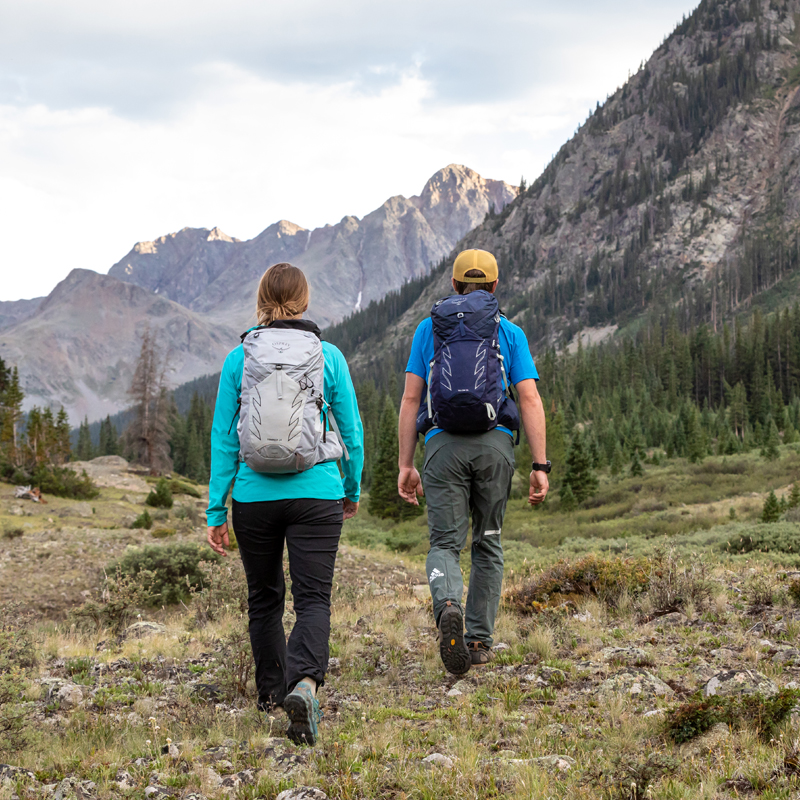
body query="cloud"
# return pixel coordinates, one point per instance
(122, 122)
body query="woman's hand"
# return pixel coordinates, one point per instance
(349, 509)
(218, 538)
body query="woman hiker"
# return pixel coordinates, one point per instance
(286, 411)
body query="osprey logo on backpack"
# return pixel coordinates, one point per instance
(281, 347)
(468, 391)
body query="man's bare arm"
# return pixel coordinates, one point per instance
(409, 484)
(531, 411)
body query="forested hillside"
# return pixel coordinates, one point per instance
(679, 192)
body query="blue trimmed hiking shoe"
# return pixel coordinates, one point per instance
(302, 708)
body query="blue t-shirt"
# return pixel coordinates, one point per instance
(513, 347)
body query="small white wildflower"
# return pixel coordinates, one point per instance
(147, 741)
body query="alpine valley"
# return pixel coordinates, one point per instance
(195, 290)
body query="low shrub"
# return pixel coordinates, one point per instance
(674, 584)
(764, 714)
(183, 487)
(188, 512)
(161, 496)
(17, 656)
(774, 537)
(605, 578)
(13, 533)
(175, 569)
(224, 587)
(143, 521)
(162, 533)
(122, 595)
(630, 776)
(64, 482)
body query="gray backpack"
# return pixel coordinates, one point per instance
(283, 415)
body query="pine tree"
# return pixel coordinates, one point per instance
(579, 475)
(195, 463)
(772, 509)
(63, 437)
(12, 397)
(567, 498)
(617, 462)
(84, 451)
(794, 495)
(109, 440)
(771, 441)
(637, 470)
(695, 440)
(384, 501)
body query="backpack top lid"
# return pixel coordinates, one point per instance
(478, 310)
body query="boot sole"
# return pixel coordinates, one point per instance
(299, 728)
(452, 647)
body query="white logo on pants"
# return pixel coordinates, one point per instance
(491, 533)
(435, 574)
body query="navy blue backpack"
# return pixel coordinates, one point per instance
(468, 389)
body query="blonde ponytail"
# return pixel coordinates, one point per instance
(282, 293)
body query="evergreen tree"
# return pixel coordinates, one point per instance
(109, 439)
(771, 441)
(579, 475)
(772, 509)
(63, 437)
(794, 495)
(384, 501)
(11, 401)
(568, 502)
(617, 461)
(695, 441)
(84, 451)
(195, 467)
(637, 470)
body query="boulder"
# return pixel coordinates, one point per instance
(625, 655)
(637, 683)
(110, 472)
(302, 793)
(739, 682)
(439, 760)
(143, 629)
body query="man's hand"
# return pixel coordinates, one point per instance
(349, 509)
(218, 538)
(539, 486)
(409, 485)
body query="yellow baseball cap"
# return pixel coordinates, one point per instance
(475, 259)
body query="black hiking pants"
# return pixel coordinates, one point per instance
(311, 530)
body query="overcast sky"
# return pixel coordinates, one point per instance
(120, 122)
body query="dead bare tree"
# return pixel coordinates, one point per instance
(147, 436)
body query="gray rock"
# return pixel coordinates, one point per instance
(73, 789)
(124, 780)
(724, 654)
(69, 696)
(462, 687)
(500, 646)
(637, 683)
(553, 676)
(438, 759)
(788, 656)
(110, 472)
(143, 629)
(672, 620)
(302, 793)
(739, 682)
(9, 774)
(554, 763)
(80, 510)
(626, 655)
(334, 666)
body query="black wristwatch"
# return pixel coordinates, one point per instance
(546, 467)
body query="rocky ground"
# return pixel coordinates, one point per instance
(574, 705)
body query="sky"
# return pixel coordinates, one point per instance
(122, 122)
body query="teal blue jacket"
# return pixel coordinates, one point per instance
(322, 482)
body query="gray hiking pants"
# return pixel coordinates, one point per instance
(463, 474)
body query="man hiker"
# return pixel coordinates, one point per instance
(464, 359)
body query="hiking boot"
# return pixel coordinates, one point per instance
(302, 708)
(480, 654)
(452, 647)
